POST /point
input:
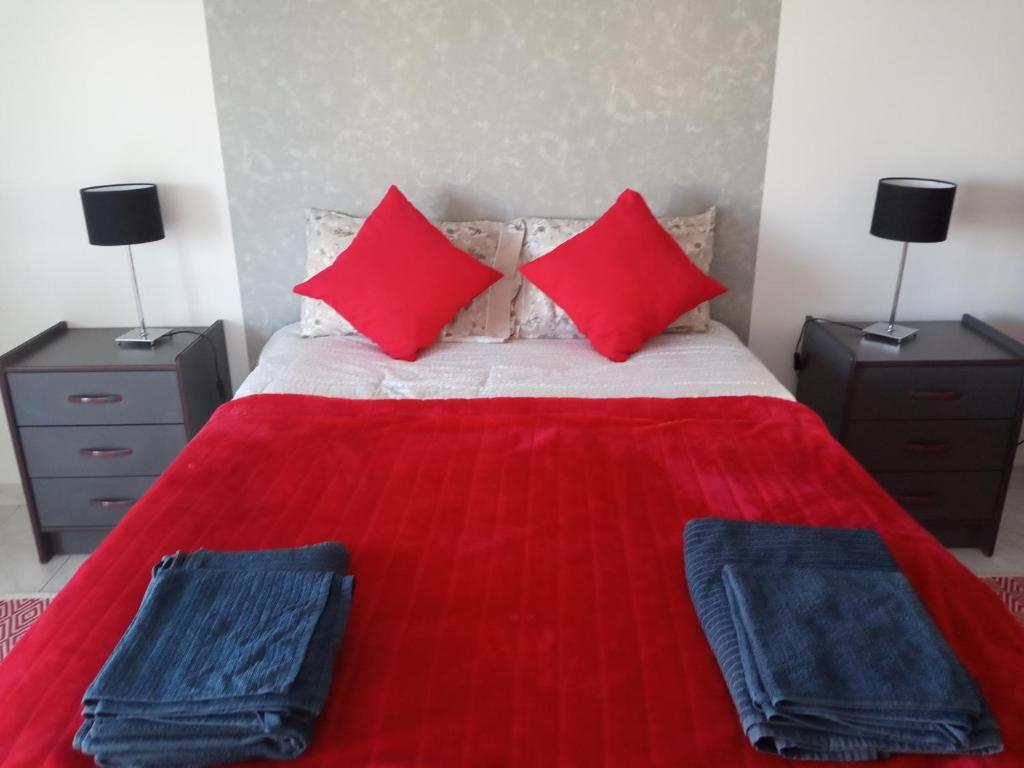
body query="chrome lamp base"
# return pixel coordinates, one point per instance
(889, 332)
(142, 337)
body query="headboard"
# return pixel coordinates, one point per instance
(488, 110)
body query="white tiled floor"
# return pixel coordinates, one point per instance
(21, 573)
(20, 570)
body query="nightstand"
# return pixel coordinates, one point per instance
(94, 424)
(935, 421)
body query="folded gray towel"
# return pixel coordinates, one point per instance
(228, 659)
(827, 650)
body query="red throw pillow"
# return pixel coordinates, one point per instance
(400, 280)
(623, 279)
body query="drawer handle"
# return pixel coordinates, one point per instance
(934, 394)
(94, 399)
(111, 503)
(915, 499)
(105, 453)
(926, 448)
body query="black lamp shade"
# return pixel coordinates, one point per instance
(122, 214)
(913, 210)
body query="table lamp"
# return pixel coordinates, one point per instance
(909, 210)
(126, 214)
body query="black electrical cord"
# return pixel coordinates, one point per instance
(797, 362)
(221, 389)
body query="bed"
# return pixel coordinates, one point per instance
(520, 591)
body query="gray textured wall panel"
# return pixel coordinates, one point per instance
(488, 110)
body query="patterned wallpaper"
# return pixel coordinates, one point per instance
(488, 109)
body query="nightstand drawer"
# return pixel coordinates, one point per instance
(101, 451)
(936, 392)
(929, 445)
(70, 502)
(95, 397)
(944, 495)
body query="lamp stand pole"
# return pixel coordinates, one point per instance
(891, 332)
(892, 315)
(142, 320)
(140, 336)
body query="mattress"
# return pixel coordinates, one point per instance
(520, 593)
(670, 365)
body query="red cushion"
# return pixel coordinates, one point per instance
(623, 279)
(400, 280)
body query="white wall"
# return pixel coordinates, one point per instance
(98, 92)
(114, 90)
(872, 88)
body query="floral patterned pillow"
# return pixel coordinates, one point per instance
(535, 316)
(487, 318)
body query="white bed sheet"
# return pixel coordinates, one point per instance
(671, 365)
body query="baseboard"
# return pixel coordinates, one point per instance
(11, 495)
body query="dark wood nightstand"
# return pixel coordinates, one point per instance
(935, 421)
(94, 424)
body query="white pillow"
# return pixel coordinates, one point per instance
(487, 318)
(535, 316)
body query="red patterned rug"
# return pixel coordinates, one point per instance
(16, 616)
(1011, 591)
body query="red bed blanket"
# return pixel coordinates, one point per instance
(520, 593)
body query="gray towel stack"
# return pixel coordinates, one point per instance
(228, 659)
(826, 649)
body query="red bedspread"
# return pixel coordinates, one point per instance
(520, 595)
